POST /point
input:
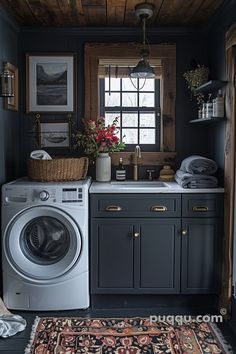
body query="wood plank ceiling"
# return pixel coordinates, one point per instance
(81, 13)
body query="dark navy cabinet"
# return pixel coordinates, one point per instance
(200, 256)
(158, 251)
(202, 240)
(135, 256)
(159, 256)
(112, 255)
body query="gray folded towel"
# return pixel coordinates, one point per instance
(197, 164)
(194, 181)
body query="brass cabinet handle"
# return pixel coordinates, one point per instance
(159, 208)
(184, 232)
(113, 208)
(136, 234)
(200, 208)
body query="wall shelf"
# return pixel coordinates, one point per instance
(208, 120)
(211, 86)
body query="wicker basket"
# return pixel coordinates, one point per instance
(59, 169)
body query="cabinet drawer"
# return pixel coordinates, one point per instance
(202, 205)
(130, 205)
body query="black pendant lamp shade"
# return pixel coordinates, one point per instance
(143, 70)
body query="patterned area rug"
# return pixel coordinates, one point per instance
(53, 335)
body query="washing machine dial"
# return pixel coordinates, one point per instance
(44, 195)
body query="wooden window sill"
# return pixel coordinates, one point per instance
(147, 158)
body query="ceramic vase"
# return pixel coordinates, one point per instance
(103, 167)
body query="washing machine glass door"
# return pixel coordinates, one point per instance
(43, 243)
(45, 240)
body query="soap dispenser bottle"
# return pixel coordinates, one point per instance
(121, 171)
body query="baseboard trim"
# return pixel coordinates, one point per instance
(197, 304)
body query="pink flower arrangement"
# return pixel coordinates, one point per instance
(99, 138)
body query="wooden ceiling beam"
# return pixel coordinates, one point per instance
(95, 12)
(40, 11)
(73, 12)
(82, 13)
(20, 11)
(206, 10)
(173, 12)
(115, 12)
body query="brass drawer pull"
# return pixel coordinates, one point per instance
(200, 208)
(113, 208)
(159, 208)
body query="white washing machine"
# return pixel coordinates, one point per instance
(45, 245)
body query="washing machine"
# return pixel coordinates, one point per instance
(45, 245)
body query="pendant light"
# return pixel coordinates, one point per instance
(6, 83)
(143, 70)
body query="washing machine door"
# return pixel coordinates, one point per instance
(42, 243)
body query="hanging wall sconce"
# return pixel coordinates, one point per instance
(6, 83)
(143, 70)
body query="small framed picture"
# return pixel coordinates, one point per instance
(12, 102)
(50, 83)
(54, 135)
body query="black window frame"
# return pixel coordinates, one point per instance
(156, 109)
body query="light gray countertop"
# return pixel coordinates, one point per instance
(146, 187)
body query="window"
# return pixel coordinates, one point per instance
(137, 104)
(95, 53)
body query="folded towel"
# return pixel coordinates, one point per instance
(40, 155)
(199, 165)
(188, 180)
(10, 324)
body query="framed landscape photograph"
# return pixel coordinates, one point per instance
(50, 83)
(12, 102)
(54, 134)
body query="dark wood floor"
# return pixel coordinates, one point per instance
(17, 344)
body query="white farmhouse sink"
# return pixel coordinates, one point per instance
(133, 187)
(139, 184)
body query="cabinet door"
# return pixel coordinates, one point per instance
(112, 256)
(200, 255)
(160, 243)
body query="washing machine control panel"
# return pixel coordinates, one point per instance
(44, 195)
(20, 195)
(72, 195)
(59, 195)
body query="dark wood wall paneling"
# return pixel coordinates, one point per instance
(217, 57)
(217, 62)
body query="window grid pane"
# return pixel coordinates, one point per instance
(138, 126)
(147, 136)
(112, 100)
(130, 126)
(130, 136)
(130, 119)
(149, 85)
(114, 84)
(110, 116)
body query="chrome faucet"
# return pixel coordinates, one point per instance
(137, 155)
